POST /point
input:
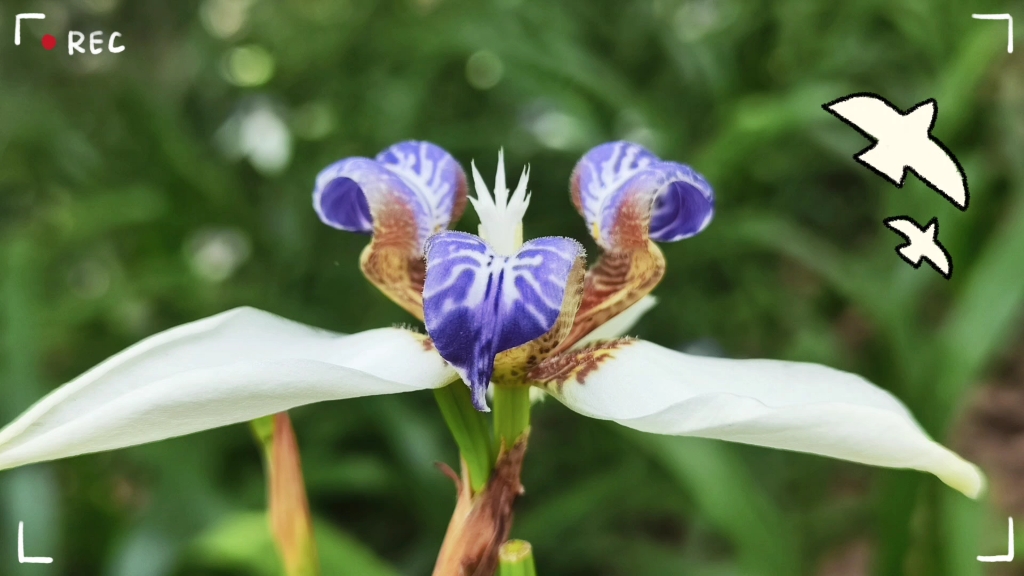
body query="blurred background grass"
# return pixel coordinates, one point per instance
(172, 181)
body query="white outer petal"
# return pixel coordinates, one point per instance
(620, 324)
(786, 405)
(616, 327)
(225, 369)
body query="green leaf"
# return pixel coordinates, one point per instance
(731, 499)
(242, 541)
(984, 314)
(853, 277)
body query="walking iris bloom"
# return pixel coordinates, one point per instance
(496, 310)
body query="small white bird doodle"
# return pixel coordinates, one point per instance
(922, 243)
(903, 142)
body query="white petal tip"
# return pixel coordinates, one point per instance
(784, 405)
(965, 478)
(482, 193)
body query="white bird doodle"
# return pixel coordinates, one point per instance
(922, 243)
(902, 142)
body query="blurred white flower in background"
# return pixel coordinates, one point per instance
(215, 254)
(224, 18)
(631, 125)
(266, 141)
(258, 133)
(556, 129)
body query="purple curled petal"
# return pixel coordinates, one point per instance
(350, 191)
(684, 207)
(342, 204)
(434, 175)
(672, 200)
(478, 304)
(418, 177)
(409, 192)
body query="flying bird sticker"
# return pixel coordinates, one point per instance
(902, 142)
(922, 243)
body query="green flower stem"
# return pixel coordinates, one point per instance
(470, 430)
(511, 412)
(263, 429)
(516, 559)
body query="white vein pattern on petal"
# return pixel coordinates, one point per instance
(654, 180)
(610, 174)
(478, 303)
(425, 176)
(486, 266)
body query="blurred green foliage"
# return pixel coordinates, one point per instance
(172, 181)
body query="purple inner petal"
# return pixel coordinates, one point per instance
(353, 193)
(343, 205)
(681, 210)
(682, 202)
(434, 175)
(613, 174)
(478, 304)
(604, 170)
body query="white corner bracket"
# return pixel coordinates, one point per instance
(22, 559)
(1009, 20)
(17, 25)
(1008, 557)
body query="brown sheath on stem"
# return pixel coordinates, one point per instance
(481, 522)
(290, 520)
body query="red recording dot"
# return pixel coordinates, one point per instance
(49, 42)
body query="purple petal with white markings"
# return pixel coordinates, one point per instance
(602, 171)
(434, 175)
(410, 191)
(677, 201)
(478, 304)
(418, 177)
(345, 186)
